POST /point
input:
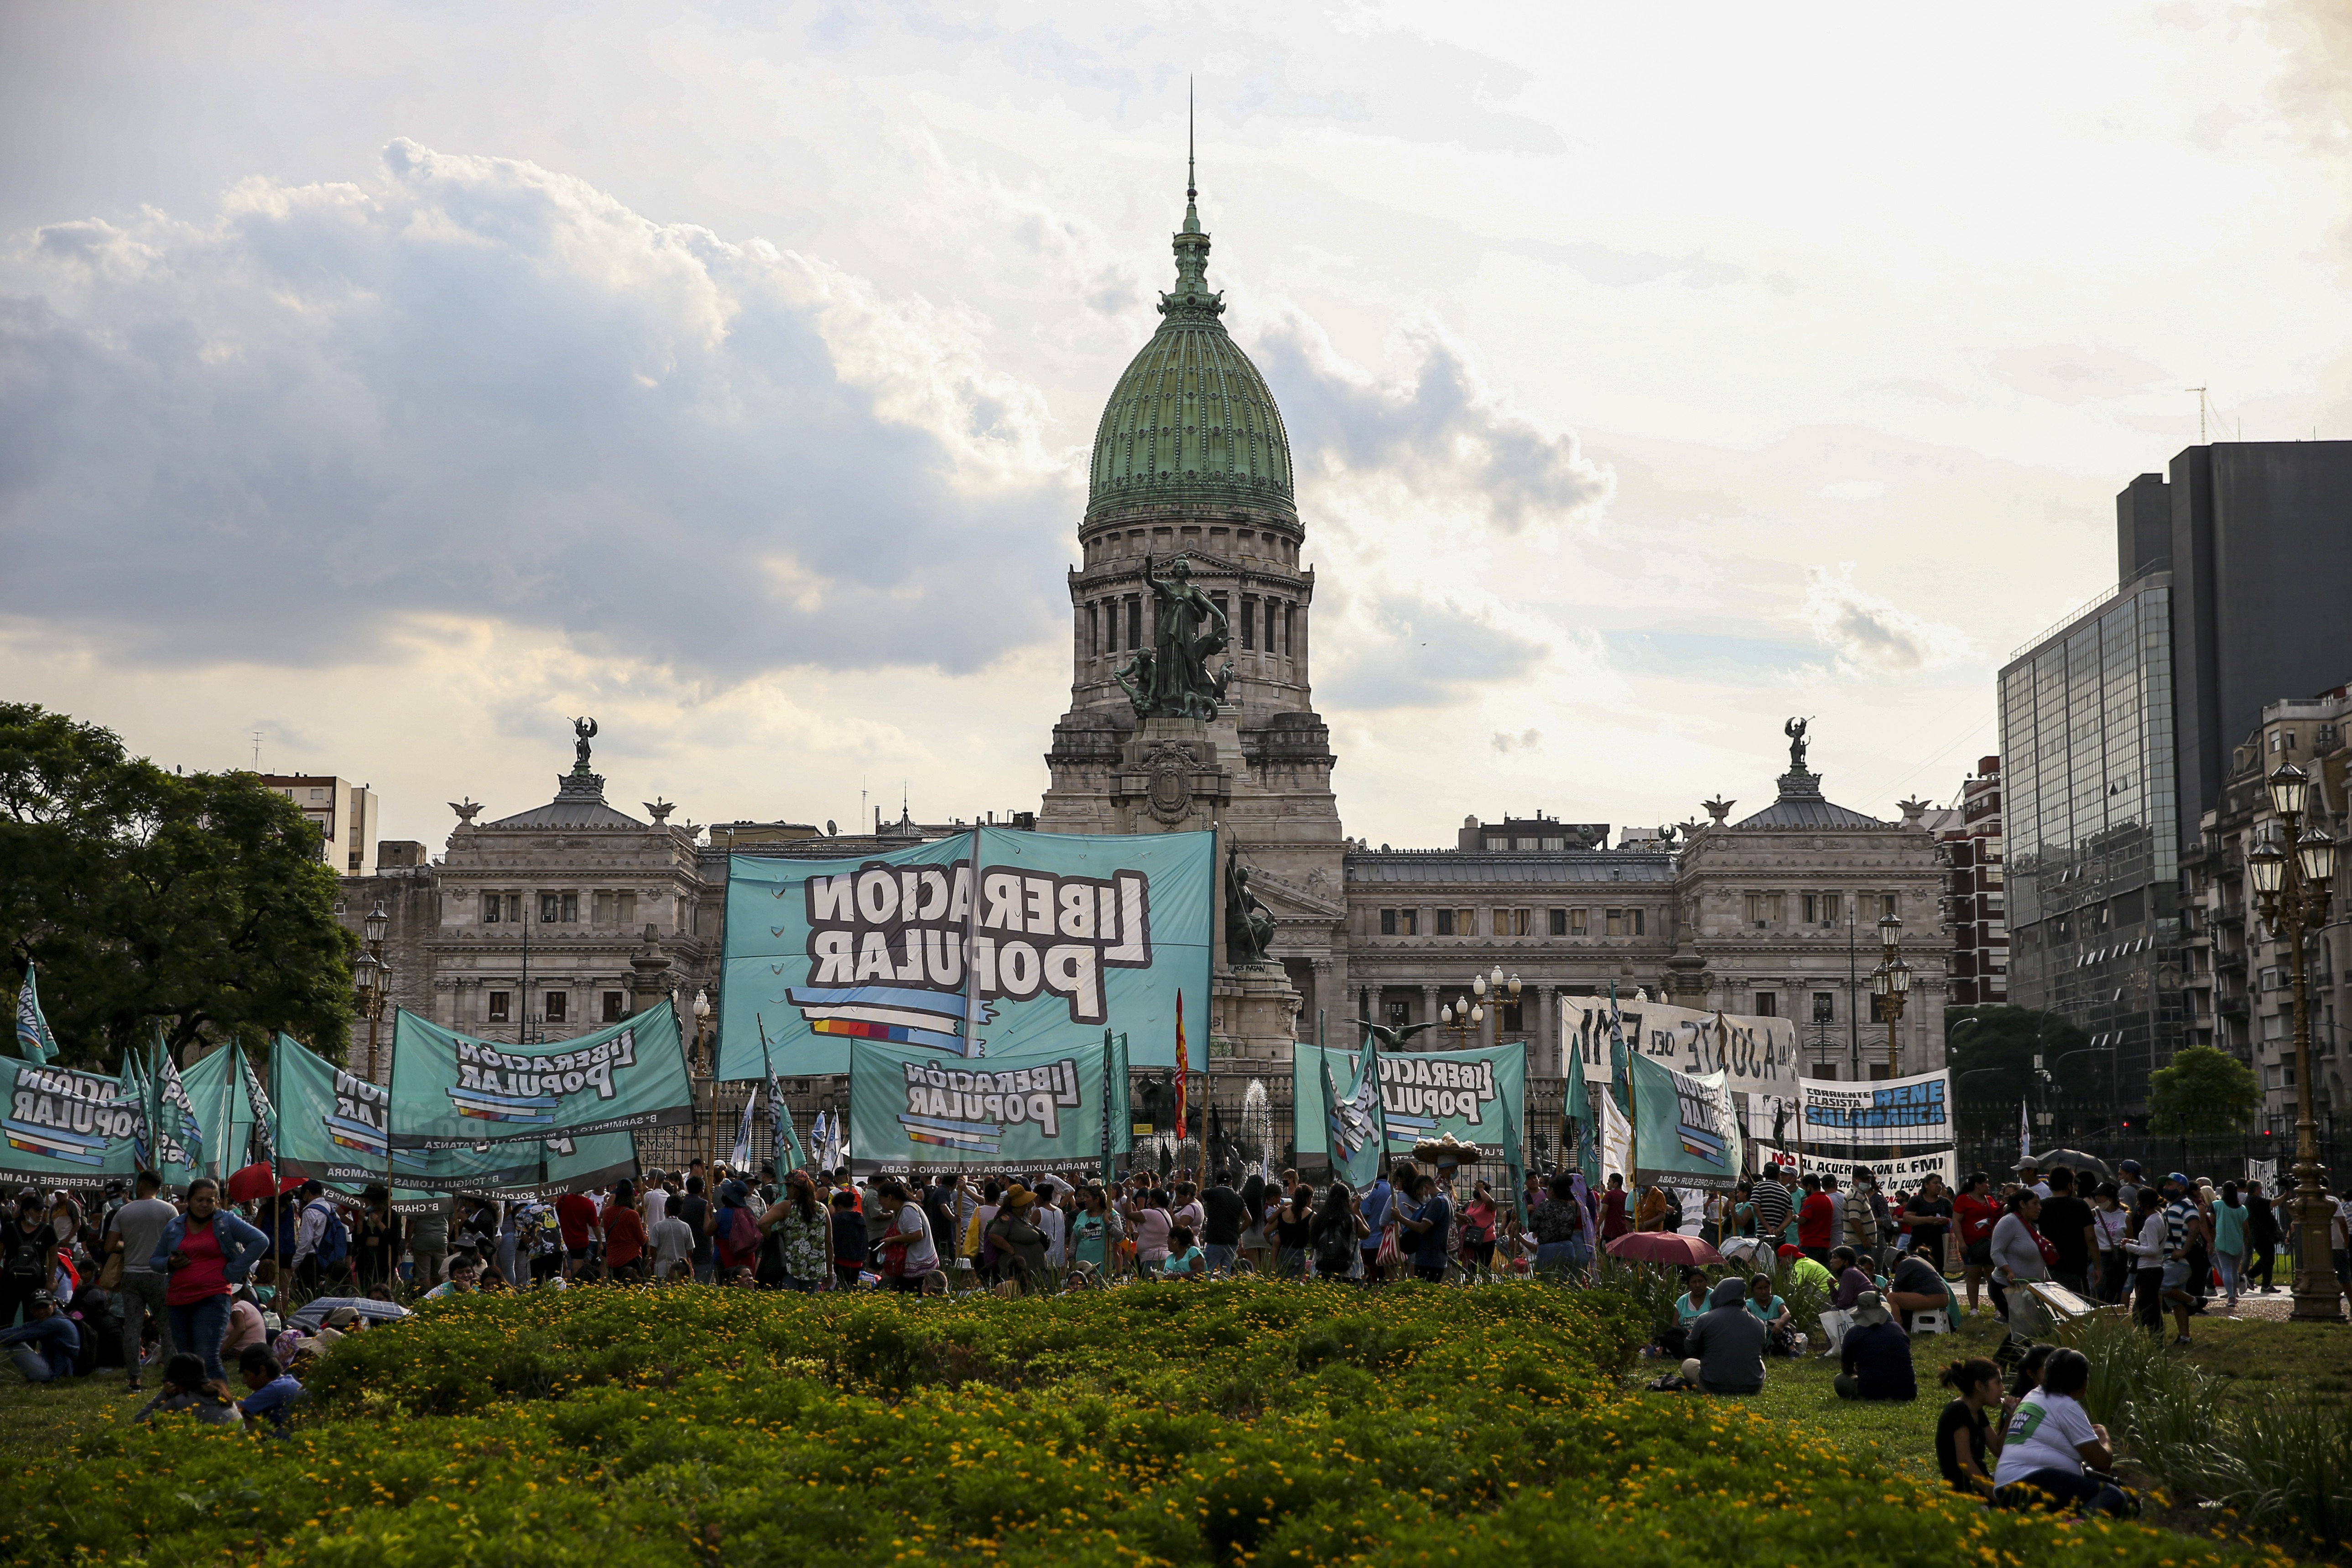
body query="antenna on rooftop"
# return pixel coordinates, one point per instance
(1189, 193)
(2201, 411)
(257, 750)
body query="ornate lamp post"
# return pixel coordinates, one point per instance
(1891, 982)
(1465, 1019)
(2294, 890)
(703, 1065)
(373, 977)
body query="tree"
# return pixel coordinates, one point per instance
(2202, 1091)
(196, 901)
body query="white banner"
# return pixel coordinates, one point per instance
(1903, 1174)
(1897, 1110)
(1760, 1055)
(1616, 1141)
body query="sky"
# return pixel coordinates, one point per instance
(396, 383)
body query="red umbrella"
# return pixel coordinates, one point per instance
(1663, 1247)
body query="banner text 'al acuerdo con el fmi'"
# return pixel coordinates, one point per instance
(1069, 934)
(453, 1091)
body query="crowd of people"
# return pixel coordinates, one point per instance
(189, 1286)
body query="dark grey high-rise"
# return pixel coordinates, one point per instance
(2118, 726)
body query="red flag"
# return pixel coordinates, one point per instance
(1184, 1069)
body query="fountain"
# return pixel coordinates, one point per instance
(1257, 1128)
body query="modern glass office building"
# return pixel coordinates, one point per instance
(2093, 835)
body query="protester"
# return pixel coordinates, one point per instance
(47, 1344)
(1917, 1286)
(1655, 1211)
(2262, 1237)
(1853, 1280)
(1773, 1207)
(1616, 1217)
(1184, 1259)
(1875, 1357)
(804, 1230)
(2016, 1251)
(2110, 1227)
(909, 1255)
(187, 1389)
(1224, 1218)
(2066, 1221)
(2052, 1455)
(2231, 1230)
(624, 1232)
(673, 1245)
(1770, 1313)
(694, 1209)
(272, 1392)
(2147, 1246)
(375, 1238)
(1561, 1228)
(1152, 1227)
(1020, 1242)
(1481, 1224)
(464, 1269)
(1432, 1217)
(134, 1232)
(1095, 1232)
(428, 1244)
(2184, 1231)
(208, 1252)
(1728, 1341)
(1927, 1220)
(1965, 1436)
(1338, 1231)
(1975, 1213)
(1815, 1220)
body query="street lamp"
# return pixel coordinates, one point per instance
(1464, 1018)
(703, 1065)
(1891, 982)
(2294, 891)
(373, 977)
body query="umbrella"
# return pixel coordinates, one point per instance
(311, 1313)
(1663, 1247)
(2076, 1161)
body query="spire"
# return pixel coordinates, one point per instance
(1191, 294)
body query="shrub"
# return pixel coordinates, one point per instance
(1240, 1423)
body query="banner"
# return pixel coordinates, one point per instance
(62, 1127)
(1894, 1110)
(1071, 933)
(1616, 1141)
(1902, 1174)
(1755, 1054)
(911, 1110)
(1338, 1094)
(1687, 1131)
(1478, 1096)
(453, 1091)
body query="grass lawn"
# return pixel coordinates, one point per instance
(2257, 1356)
(37, 1420)
(1903, 1436)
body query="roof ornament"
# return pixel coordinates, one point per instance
(1191, 297)
(1795, 730)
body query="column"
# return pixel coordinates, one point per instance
(1429, 1005)
(1547, 1034)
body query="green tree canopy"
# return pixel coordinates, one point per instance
(2203, 1090)
(196, 901)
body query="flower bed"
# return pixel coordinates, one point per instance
(1266, 1422)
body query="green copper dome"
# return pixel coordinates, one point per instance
(1190, 422)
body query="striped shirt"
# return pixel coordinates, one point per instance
(2177, 1215)
(1773, 1207)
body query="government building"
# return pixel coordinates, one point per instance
(552, 919)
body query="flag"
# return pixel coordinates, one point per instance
(187, 1129)
(34, 1041)
(788, 1155)
(1576, 1099)
(1183, 1071)
(1515, 1159)
(2024, 1134)
(265, 1115)
(738, 1158)
(1616, 1140)
(133, 1092)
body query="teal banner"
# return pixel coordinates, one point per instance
(65, 1128)
(1685, 1131)
(910, 1109)
(453, 1091)
(1069, 934)
(1478, 1096)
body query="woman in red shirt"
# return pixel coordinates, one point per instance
(1975, 1211)
(207, 1251)
(625, 1233)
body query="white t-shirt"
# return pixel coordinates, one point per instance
(2043, 1434)
(921, 1256)
(673, 1241)
(656, 1203)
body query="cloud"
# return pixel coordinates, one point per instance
(1408, 652)
(1435, 425)
(1525, 741)
(2072, 372)
(469, 386)
(1869, 633)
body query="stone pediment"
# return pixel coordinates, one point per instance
(1290, 901)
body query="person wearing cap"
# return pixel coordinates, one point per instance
(2184, 1232)
(1875, 1358)
(2128, 1186)
(47, 1344)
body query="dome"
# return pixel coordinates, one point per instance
(1191, 422)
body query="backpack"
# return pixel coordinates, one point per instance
(335, 1240)
(1335, 1251)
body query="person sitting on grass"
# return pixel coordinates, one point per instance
(1772, 1312)
(1728, 1341)
(1852, 1279)
(1875, 1356)
(272, 1391)
(1688, 1308)
(1965, 1434)
(2052, 1455)
(47, 1344)
(186, 1389)
(465, 1271)
(1803, 1270)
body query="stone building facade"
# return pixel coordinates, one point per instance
(1775, 912)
